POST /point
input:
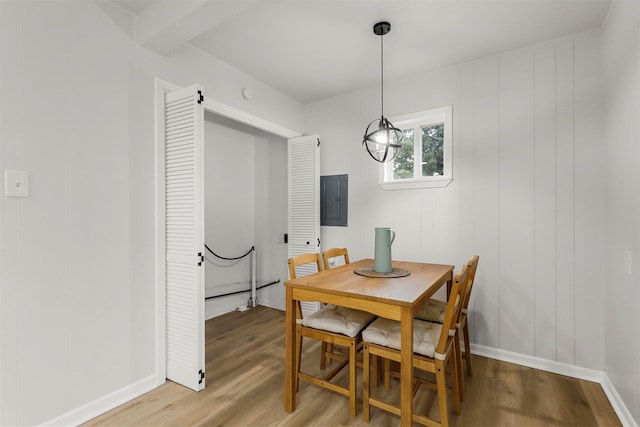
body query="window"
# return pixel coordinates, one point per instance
(425, 157)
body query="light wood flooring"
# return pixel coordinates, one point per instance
(245, 387)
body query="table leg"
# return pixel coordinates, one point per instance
(449, 285)
(290, 349)
(406, 368)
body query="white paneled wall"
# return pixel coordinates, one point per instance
(516, 201)
(527, 192)
(589, 215)
(621, 72)
(485, 141)
(565, 194)
(545, 227)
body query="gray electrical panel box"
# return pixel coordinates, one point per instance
(334, 198)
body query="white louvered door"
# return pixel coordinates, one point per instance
(184, 202)
(304, 202)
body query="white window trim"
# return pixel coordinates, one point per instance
(422, 118)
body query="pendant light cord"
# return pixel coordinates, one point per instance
(382, 75)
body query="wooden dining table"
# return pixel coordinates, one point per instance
(396, 298)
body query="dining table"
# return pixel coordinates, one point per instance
(396, 298)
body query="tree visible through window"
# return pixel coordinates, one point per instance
(433, 150)
(424, 160)
(403, 163)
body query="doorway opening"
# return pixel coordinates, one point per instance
(245, 193)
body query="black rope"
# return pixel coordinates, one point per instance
(253, 248)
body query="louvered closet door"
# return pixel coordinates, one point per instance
(304, 202)
(184, 121)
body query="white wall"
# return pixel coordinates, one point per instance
(271, 217)
(621, 64)
(77, 273)
(527, 194)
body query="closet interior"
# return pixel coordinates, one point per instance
(245, 206)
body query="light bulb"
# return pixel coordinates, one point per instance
(381, 137)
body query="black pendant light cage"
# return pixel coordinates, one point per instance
(381, 139)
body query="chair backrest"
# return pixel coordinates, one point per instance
(332, 253)
(473, 267)
(454, 308)
(302, 260)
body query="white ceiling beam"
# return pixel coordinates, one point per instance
(166, 25)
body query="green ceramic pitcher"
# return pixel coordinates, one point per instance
(384, 239)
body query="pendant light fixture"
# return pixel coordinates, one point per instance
(381, 139)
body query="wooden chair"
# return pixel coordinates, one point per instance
(433, 311)
(327, 350)
(333, 253)
(466, 348)
(332, 325)
(434, 347)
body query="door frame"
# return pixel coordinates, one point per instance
(213, 106)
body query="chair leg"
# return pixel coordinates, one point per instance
(455, 383)
(298, 357)
(441, 385)
(375, 369)
(365, 382)
(323, 355)
(326, 347)
(387, 374)
(457, 354)
(353, 377)
(467, 349)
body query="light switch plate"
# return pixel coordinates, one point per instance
(16, 183)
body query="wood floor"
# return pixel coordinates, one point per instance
(245, 387)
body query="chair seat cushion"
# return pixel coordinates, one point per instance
(341, 320)
(432, 311)
(386, 333)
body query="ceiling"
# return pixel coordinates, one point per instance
(315, 49)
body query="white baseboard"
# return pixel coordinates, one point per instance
(616, 401)
(538, 363)
(105, 403)
(223, 305)
(269, 304)
(593, 375)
